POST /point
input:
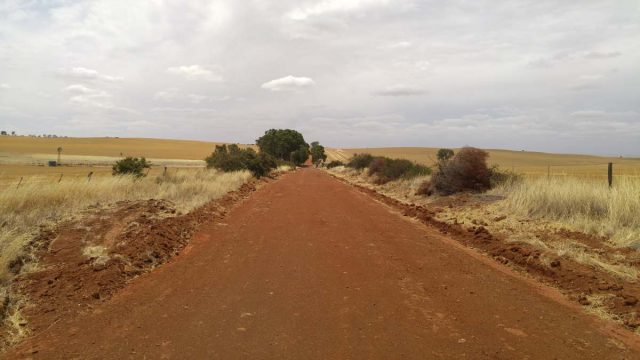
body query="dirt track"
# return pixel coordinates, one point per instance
(309, 267)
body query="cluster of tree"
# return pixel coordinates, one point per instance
(13, 133)
(317, 153)
(387, 169)
(277, 146)
(285, 145)
(233, 158)
(131, 166)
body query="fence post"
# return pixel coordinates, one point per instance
(60, 178)
(548, 172)
(165, 171)
(610, 174)
(19, 182)
(89, 176)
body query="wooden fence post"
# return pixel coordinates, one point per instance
(548, 172)
(19, 182)
(89, 176)
(610, 174)
(60, 178)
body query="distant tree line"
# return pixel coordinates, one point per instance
(276, 147)
(13, 133)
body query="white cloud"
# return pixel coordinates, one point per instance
(400, 90)
(174, 95)
(89, 74)
(4, 86)
(586, 82)
(288, 83)
(400, 45)
(602, 55)
(332, 6)
(588, 113)
(195, 72)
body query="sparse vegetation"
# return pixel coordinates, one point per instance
(233, 158)
(45, 203)
(131, 166)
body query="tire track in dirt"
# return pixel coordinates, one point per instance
(310, 267)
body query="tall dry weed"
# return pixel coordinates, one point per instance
(583, 204)
(37, 203)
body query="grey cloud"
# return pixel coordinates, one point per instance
(522, 73)
(400, 90)
(288, 83)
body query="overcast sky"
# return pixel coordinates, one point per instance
(560, 76)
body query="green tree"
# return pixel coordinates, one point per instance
(444, 154)
(283, 143)
(301, 155)
(131, 166)
(233, 158)
(317, 152)
(3, 132)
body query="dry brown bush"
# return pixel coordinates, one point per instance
(466, 171)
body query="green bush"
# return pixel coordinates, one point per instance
(131, 166)
(444, 154)
(233, 158)
(301, 155)
(360, 161)
(284, 144)
(334, 163)
(317, 152)
(499, 177)
(387, 169)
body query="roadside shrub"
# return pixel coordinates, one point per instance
(334, 163)
(466, 171)
(232, 158)
(387, 169)
(444, 154)
(360, 161)
(131, 166)
(506, 178)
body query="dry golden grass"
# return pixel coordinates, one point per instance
(582, 204)
(44, 203)
(534, 210)
(10, 174)
(524, 162)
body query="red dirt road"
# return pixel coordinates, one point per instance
(311, 268)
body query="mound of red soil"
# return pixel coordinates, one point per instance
(576, 280)
(84, 262)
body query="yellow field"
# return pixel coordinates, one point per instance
(22, 156)
(112, 147)
(525, 162)
(16, 152)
